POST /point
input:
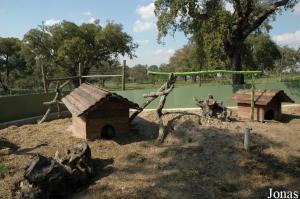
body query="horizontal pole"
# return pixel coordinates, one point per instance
(202, 72)
(77, 77)
(62, 79)
(91, 76)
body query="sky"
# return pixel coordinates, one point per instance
(137, 17)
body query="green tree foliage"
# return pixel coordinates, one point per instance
(63, 46)
(138, 74)
(260, 52)
(153, 78)
(11, 61)
(195, 17)
(290, 59)
(184, 59)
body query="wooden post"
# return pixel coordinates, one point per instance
(252, 98)
(199, 79)
(44, 79)
(123, 75)
(79, 73)
(247, 138)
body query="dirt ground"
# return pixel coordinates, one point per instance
(199, 159)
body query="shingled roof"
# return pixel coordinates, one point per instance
(262, 96)
(86, 96)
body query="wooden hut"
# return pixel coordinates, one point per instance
(98, 113)
(267, 103)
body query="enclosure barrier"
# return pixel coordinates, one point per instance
(47, 80)
(18, 107)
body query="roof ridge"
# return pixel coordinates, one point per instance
(87, 96)
(261, 96)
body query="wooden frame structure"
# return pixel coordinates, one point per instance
(66, 80)
(47, 80)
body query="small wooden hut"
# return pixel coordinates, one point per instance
(98, 113)
(267, 103)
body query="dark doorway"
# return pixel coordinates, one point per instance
(108, 132)
(269, 115)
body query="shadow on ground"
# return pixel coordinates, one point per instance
(139, 129)
(212, 164)
(17, 150)
(286, 118)
(220, 168)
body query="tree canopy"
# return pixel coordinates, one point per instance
(197, 17)
(10, 60)
(63, 46)
(260, 52)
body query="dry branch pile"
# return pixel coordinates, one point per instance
(56, 178)
(213, 109)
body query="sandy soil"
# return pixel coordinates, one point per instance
(199, 159)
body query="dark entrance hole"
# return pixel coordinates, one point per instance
(107, 132)
(269, 115)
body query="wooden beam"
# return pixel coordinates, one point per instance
(123, 75)
(95, 76)
(79, 73)
(252, 98)
(202, 72)
(44, 79)
(64, 84)
(63, 78)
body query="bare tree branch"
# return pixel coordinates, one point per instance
(264, 15)
(156, 94)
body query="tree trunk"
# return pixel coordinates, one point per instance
(280, 75)
(194, 78)
(103, 83)
(7, 77)
(200, 80)
(75, 82)
(7, 73)
(236, 65)
(2, 84)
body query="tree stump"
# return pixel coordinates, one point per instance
(213, 109)
(57, 178)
